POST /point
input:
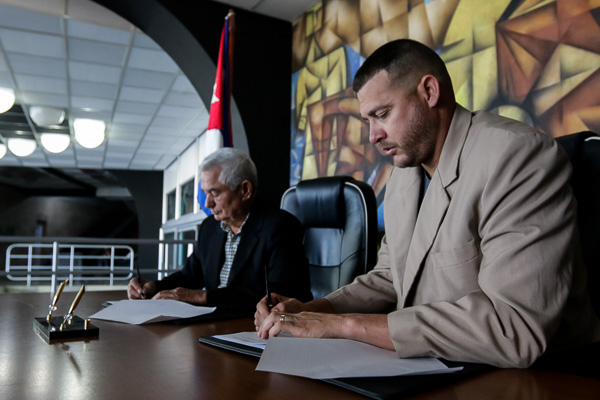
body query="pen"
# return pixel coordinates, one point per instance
(52, 306)
(68, 316)
(269, 298)
(139, 277)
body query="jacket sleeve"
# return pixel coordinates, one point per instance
(369, 293)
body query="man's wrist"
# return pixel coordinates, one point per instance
(201, 297)
(321, 305)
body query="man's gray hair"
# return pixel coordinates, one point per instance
(235, 165)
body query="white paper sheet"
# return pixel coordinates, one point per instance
(246, 338)
(147, 311)
(340, 358)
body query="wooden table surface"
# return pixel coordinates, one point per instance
(166, 361)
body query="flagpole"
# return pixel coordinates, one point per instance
(219, 130)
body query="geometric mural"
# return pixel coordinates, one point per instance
(537, 61)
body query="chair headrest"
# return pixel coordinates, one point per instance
(322, 202)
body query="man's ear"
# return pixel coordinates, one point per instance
(246, 190)
(429, 89)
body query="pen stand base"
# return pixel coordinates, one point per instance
(58, 329)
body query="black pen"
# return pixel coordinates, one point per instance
(139, 277)
(269, 298)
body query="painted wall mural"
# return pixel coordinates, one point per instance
(536, 61)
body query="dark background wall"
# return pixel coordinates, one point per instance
(146, 189)
(189, 31)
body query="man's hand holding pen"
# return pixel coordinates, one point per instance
(280, 304)
(316, 319)
(140, 290)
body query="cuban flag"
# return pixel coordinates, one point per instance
(219, 133)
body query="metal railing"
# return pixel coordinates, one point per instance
(33, 260)
(77, 262)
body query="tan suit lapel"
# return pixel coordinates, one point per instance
(431, 216)
(436, 201)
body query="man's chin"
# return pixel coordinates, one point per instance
(405, 162)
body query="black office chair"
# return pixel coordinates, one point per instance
(583, 149)
(339, 215)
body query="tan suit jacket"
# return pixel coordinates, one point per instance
(488, 270)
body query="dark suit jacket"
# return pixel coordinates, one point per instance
(271, 238)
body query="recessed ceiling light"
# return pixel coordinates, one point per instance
(7, 99)
(89, 132)
(21, 147)
(46, 116)
(55, 142)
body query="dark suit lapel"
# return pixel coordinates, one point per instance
(248, 241)
(214, 258)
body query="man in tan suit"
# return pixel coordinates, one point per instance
(480, 261)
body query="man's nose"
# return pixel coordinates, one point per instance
(376, 133)
(209, 202)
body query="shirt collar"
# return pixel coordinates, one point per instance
(227, 228)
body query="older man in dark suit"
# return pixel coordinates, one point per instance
(241, 246)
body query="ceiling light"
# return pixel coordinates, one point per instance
(55, 142)
(7, 99)
(21, 147)
(46, 116)
(89, 132)
(2, 150)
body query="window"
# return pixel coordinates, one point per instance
(170, 252)
(187, 197)
(184, 249)
(171, 205)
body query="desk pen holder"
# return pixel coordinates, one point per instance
(58, 328)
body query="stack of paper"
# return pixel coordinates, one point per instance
(146, 311)
(333, 358)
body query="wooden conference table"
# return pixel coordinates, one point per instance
(166, 361)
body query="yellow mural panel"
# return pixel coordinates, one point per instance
(370, 15)
(339, 26)
(546, 98)
(396, 28)
(531, 5)
(574, 123)
(533, 60)
(418, 26)
(392, 9)
(309, 169)
(312, 20)
(550, 76)
(485, 78)
(372, 40)
(484, 36)
(574, 61)
(322, 77)
(514, 112)
(439, 16)
(469, 15)
(461, 72)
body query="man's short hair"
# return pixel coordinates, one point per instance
(406, 62)
(235, 165)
